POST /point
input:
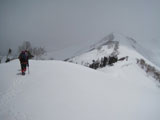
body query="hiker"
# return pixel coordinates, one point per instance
(23, 58)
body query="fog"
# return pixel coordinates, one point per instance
(57, 24)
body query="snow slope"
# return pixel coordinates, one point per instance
(114, 44)
(56, 90)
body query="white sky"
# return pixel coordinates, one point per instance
(56, 24)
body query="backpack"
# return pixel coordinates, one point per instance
(23, 57)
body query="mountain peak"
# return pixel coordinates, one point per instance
(114, 38)
(112, 44)
(109, 37)
(119, 37)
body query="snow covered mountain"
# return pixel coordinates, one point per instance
(113, 44)
(118, 47)
(127, 90)
(65, 91)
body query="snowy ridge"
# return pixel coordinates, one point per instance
(122, 47)
(113, 44)
(115, 37)
(66, 91)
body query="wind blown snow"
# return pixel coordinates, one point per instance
(66, 91)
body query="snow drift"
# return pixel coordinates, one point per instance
(65, 91)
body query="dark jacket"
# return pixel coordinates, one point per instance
(23, 57)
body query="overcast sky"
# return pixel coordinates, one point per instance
(56, 24)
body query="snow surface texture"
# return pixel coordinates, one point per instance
(107, 45)
(111, 45)
(114, 44)
(65, 91)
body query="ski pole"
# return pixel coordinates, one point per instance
(28, 69)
